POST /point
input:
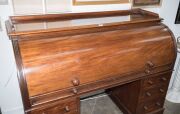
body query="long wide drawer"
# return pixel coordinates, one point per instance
(101, 84)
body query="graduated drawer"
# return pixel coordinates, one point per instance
(54, 111)
(158, 92)
(154, 106)
(160, 111)
(67, 106)
(155, 81)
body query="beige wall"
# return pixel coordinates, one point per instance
(22, 7)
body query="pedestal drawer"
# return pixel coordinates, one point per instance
(158, 92)
(162, 79)
(67, 106)
(150, 106)
(161, 111)
(55, 111)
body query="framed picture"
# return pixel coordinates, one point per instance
(137, 3)
(177, 21)
(97, 2)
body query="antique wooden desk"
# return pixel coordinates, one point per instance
(60, 57)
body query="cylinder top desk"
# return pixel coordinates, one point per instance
(61, 57)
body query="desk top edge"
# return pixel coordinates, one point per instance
(14, 20)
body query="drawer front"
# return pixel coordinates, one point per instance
(55, 111)
(150, 106)
(161, 111)
(158, 92)
(67, 106)
(162, 79)
(55, 64)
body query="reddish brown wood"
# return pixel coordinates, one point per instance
(125, 98)
(73, 22)
(21, 76)
(71, 58)
(160, 111)
(158, 92)
(67, 106)
(153, 82)
(79, 56)
(101, 84)
(68, 16)
(144, 99)
(44, 34)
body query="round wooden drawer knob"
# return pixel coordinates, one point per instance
(145, 108)
(158, 104)
(164, 79)
(75, 82)
(161, 90)
(150, 82)
(148, 94)
(75, 91)
(67, 109)
(150, 64)
(147, 71)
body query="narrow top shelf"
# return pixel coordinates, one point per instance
(33, 24)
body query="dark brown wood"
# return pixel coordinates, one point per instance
(71, 21)
(160, 111)
(63, 56)
(125, 98)
(21, 76)
(149, 107)
(69, 16)
(44, 34)
(64, 106)
(145, 98)
(158, 92)
(34, 56)
(154, 82)
(173, 40)
(90, 87)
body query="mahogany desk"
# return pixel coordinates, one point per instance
(60, 57)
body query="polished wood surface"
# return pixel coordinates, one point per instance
(63, 56)
(143, 100)
(97, 85)
(53, 23)
(98, 21)
(67, 106)
(92, 57)
(153, 82)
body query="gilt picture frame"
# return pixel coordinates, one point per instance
(98, 2)
(141, 3)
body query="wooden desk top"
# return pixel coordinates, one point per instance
(33, 24)
(61, 56)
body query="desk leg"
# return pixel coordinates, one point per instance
(126, 96)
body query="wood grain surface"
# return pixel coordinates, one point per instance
(63, 56)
